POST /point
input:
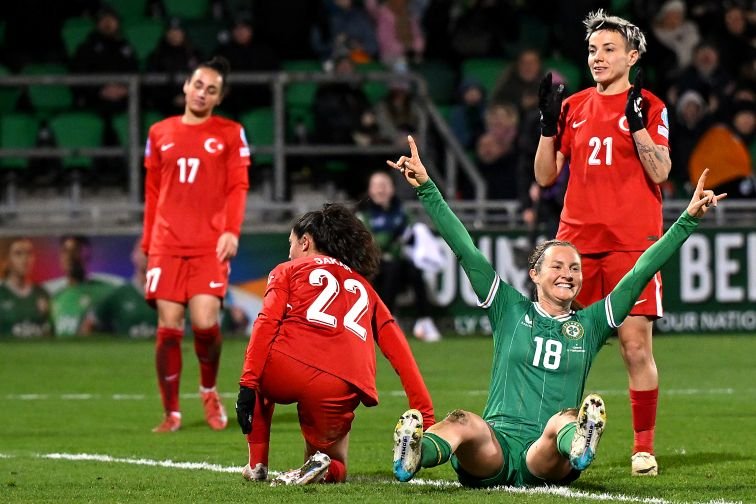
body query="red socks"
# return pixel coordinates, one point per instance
(336, 472)
(168, 363)
(643, 404)
(259, 438)
(207, 346)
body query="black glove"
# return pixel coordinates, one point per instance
(550, 105)
(245, 406)
(634, 106)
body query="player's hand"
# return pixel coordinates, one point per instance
(245, 406)
(703, 199)
(227, 246)
(549, 105)
(411, 167)
(634, 105)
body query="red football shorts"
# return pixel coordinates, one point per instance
(325, 403)
(602, 272)
(176, 278)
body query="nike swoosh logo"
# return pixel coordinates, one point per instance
(576, 124)
(215, 285)
(639, 302)
(166, 147)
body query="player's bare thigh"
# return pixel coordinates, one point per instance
(543, 458)
(473, 442)
(170, 314)
(204, 310)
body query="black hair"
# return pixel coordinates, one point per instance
(220, 65)
(338, 233)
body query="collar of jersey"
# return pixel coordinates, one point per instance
(559, 318)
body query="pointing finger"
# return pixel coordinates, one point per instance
(413, 147)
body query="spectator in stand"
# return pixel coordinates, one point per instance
(398, 114)
(479, 29)
(345, 26)
(496, 152)
(175, 55)
(343, 115)
(400, 35)
(723, 149)
(81, 294)
(383, 214)
(105, 50)
(24, 305)
(519, 83)
(468, 117)
(706, 76)
(124, 312)
(735, 42)
(247, 54)
(690, 120)
(674, 31)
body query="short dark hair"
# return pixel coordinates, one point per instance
(220, 65)
(338, 233)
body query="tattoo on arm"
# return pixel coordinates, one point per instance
(647, 154)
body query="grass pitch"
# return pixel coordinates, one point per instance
(76, 419)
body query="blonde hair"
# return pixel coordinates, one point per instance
(600, 20)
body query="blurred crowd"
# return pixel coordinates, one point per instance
(484, 60)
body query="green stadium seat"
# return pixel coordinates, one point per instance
(144, 37)
(186, 9)
(305, 65)
(203, 34)
(484, 70)
(260, 126)
(8, 95)
(440, 78)
(571, 72)
(77, 129)
(48, 99)
(374, 90)
(74, 32)
(17, 131)
(130, 10)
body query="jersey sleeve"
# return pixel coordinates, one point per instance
(621, 300)
(394, 346)
(658, 121)
(483, 278)
(237, 183)
(266, 328)
(151, 189)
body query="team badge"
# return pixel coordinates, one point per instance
(212, 145)
(572, 329)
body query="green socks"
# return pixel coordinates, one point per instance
(564, 438)
(435, 451)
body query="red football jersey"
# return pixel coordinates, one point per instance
(196, 185)
(610, 204)
(321, 312)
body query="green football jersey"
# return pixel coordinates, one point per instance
(540, 362)
(124, 312)
(24, 316)
(72, 303)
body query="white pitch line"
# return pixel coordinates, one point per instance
(206, 466)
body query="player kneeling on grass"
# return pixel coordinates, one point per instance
(313, 344)
(532, 431)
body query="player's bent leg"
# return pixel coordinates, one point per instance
(591, 422)
(636, 347)
(548, 457)
(408, 435)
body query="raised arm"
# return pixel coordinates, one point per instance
(477, 268)
(654, 158)
(548, 161)
(621, 300)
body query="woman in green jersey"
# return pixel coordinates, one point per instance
(534, 429)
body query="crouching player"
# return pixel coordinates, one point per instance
(313, 344)
(531, 432)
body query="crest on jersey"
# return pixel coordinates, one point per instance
(572, 329)
(212, 145)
